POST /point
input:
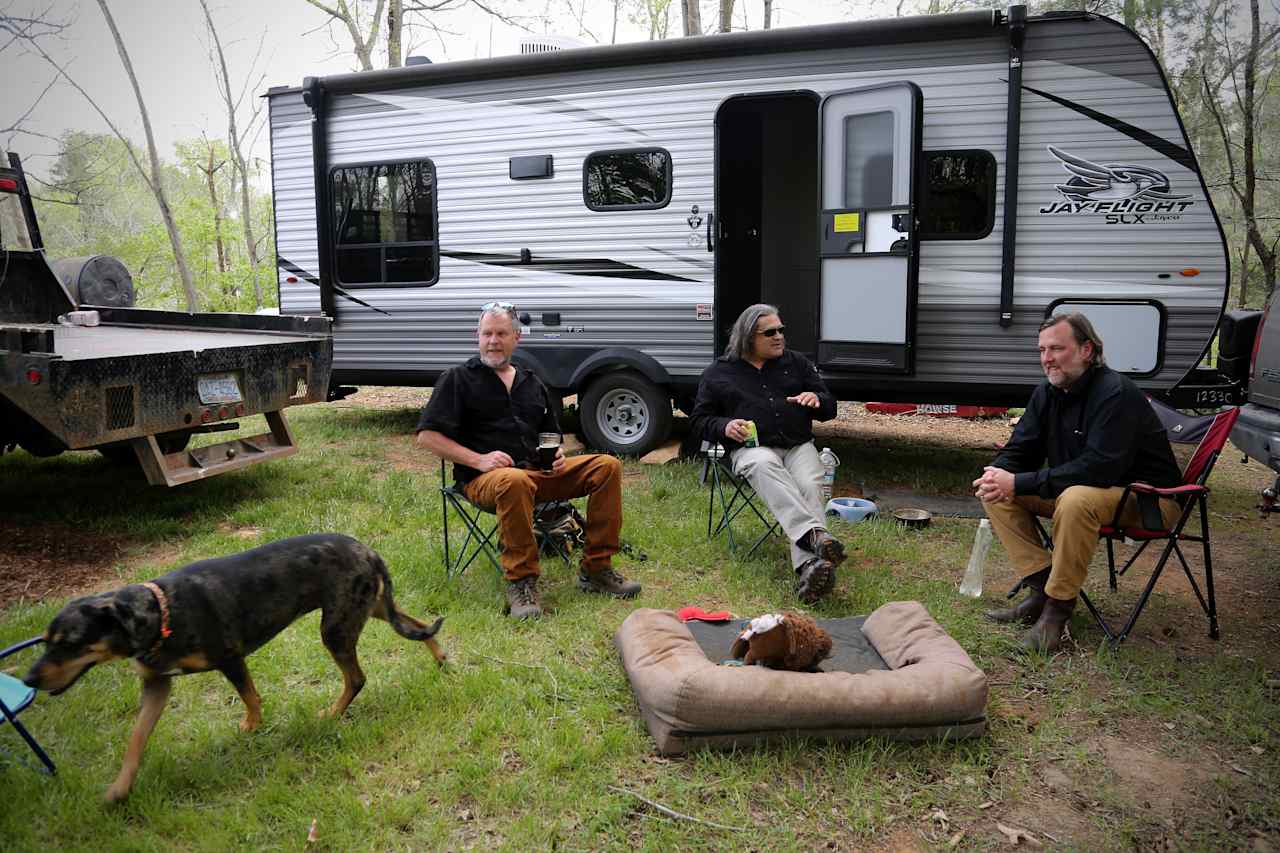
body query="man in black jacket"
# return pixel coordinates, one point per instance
(759, 382)
(1087, 432)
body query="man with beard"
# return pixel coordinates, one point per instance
(485, 416)
(1086, 433)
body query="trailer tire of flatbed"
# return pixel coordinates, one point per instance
(624, 413)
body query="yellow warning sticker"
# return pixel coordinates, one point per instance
(846, 222)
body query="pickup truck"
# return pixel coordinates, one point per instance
(137, 383)
(1257, 431)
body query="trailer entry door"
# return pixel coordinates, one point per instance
(868, 245)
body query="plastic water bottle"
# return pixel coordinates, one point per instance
(972, 583)
(829, 462)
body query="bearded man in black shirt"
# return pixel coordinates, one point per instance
(1087, 432)
(484, 416)
(758, 380)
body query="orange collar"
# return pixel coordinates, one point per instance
(163, 601)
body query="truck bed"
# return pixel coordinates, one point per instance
(80, 343)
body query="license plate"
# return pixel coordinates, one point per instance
(219, 388)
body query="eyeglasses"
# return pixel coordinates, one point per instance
(776, 330)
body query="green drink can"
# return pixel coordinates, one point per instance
(753, 437)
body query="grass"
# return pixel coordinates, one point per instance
(525, 739)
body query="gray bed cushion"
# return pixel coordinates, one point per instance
(930, 689)
(850, 649)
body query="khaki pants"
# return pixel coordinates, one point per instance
(512, 492)
(1078, 514)
(789, 480)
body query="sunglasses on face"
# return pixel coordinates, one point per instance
(776, 330)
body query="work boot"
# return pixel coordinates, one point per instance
(825, 546)
(522, 598)
(608, 582)
(1046, 635)
(814, 579)
(1027, 611)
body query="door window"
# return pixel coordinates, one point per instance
(868, 160)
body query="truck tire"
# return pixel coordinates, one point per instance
(625, 414)
(121, 452)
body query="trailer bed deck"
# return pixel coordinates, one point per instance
(82, 343)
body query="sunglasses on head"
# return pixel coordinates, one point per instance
(500, 306)
(776, 330)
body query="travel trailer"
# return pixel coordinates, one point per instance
(914, 194)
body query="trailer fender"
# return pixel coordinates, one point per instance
(616, 358)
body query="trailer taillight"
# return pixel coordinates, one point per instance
(34, 376)
(1257, 341)
(1189, 272)
(8, 185)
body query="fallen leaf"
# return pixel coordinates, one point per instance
(1240, 770)
(1170, 726)
(312, 837)
(988, 804)
(1017, 836)
(955, 839)
(940, 816)
(1256, 750)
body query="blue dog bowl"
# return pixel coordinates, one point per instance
(851, 509)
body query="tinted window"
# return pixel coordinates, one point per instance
(385, 223)
(613, 180)
(868, 160)
(959, 195)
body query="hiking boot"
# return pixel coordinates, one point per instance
(814, 579)
(1028, 610)
(825, 546)
(1046, 635)
(522, 598)
(608, 582)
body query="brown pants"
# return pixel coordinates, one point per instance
(1078, 513)
(512, 492)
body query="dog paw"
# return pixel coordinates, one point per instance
(117, 793)
(249, 724)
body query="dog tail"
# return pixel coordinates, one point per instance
(404, 625)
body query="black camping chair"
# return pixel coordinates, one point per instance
(16, 696)
(482, 532)
(1209, 433)
(731, 495)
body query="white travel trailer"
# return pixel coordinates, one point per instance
(631, 200)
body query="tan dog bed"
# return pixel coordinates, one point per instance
(929, 688)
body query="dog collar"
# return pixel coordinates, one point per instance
(163, 602)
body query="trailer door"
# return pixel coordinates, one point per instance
(868, 249)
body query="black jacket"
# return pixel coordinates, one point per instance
(1102, 432)
(732, 388)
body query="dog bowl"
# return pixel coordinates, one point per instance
(911, 517)
(851, 509)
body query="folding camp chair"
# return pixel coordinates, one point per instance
(733, 495)
(1209, 433)
(15, 696)
(482, 533)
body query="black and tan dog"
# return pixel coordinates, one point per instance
(212, 614)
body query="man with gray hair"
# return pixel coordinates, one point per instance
(485, 417)
(760, 400)
(1086, 433)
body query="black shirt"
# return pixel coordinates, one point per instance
(1102, 432)
(732, 388)
(471, 405)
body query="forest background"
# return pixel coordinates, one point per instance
(143, 128)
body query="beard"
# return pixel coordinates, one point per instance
(494, 360)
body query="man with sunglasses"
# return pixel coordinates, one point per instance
(759, 380)
(484, 416)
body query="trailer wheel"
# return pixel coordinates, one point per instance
(121, 452)
(625, 414)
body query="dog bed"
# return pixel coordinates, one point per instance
(894, 674)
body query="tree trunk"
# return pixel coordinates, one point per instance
(726, 15)
(692, 13)
(209, 172)
(768, 13)
(395, 32)
(157, 174)
(1266, 254)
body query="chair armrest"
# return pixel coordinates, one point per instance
(1174, 491)
(20, 646)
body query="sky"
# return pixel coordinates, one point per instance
(169, 47)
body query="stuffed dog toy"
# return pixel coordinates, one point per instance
(212, 614)
(782, 641)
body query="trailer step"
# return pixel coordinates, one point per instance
(173, 469)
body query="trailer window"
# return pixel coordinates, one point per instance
(868, 160)
(385, 223)
(627, 180)
(959, 195)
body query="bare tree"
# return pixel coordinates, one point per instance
(362, 28)
(209, 168)
(726, 15)
(16, 30)
(768, 13)
(691, 15)
(236, 139)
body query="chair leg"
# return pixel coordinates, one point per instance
(26, 736)
(1208, 567)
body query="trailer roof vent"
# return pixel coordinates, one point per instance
(547, 44)
(416, 60)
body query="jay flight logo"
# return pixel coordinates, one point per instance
(1126, 194)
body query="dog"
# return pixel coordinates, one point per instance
(212, 614)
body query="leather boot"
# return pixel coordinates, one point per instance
(1028, 610)
(1046, 635)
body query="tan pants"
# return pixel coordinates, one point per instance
(512, 492)
(1078, 514)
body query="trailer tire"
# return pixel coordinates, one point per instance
(121, 452)
(625, 414)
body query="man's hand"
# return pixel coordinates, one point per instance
(495, 459)
(558, 465)
(736, 430)
(995, 485)
(808, 399)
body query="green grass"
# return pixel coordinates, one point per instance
(522, 740)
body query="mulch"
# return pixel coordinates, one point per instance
(52, 560)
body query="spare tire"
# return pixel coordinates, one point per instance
(96, 280)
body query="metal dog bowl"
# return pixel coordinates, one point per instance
(911, 517)
(851, 509)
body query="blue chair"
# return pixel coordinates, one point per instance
(15, 696)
